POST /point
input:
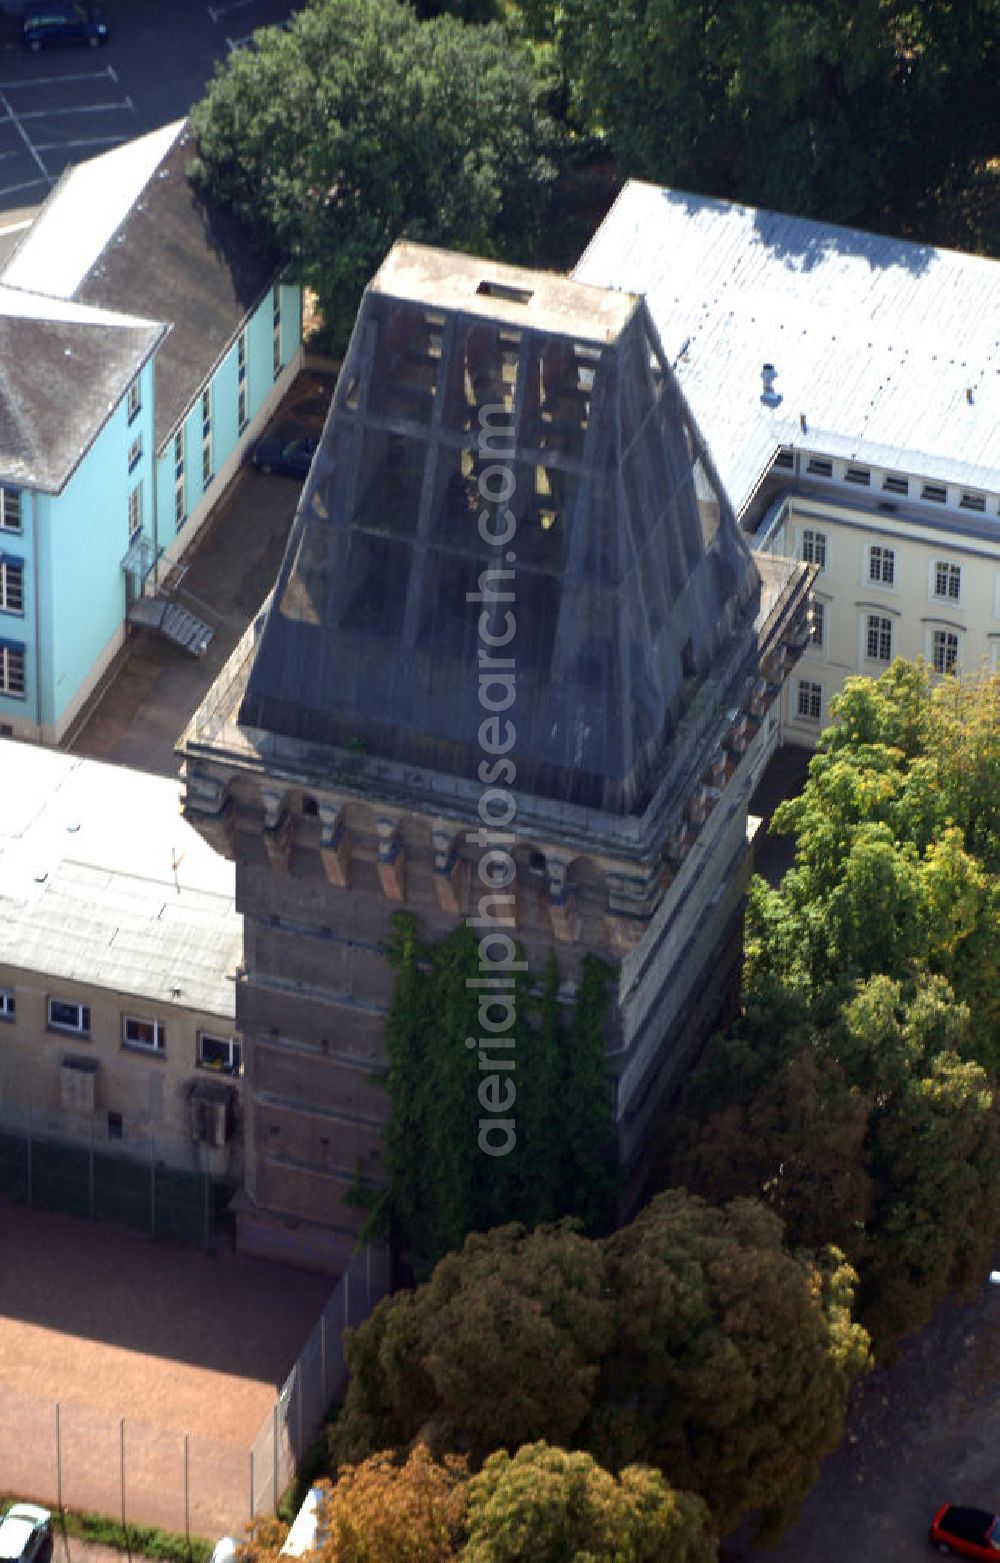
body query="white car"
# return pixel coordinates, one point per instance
(24, 1532)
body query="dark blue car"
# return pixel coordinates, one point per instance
(48, 23)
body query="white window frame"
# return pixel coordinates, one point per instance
(955, 572)
(144, 1034)
(812, 541)
(11, 585)
(877, 626)
(813, 694)
(886, 560)
(82, 1026)
(8, 1004)
(206, 437)
(135, 453)
(229, 1046)
(241, 381)
(13, 670)
(135, 511)
(180, 487)
(276, 364)
(134, 400)
(817, 642)
(941, 632)
(10, 509)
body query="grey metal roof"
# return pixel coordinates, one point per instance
(889, 350)
(179, 257)
(632, 582)
(102, 882)
(63, 369)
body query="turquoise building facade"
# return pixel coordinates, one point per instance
(152, 343)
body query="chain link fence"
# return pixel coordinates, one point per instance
(81, 1457)
(131, 1184)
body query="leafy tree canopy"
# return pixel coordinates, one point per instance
(870, 112)
(542, 1503)
(361, 124)
(552, 1506)
(691, 1340)
(857, 1095)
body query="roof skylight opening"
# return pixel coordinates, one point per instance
(503, 290)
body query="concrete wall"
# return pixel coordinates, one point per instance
(150, 1090)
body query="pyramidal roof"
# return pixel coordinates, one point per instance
(489, 418)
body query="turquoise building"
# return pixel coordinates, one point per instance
(144, 342)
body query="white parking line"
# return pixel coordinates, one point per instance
(84, 108)
(31, 184)
(93, 141)
(215, 11)
(23, 134)
(48, 81)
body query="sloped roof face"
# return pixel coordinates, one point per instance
(127, 231)
(630, 579)
(180, 258)
(63, 368)
(889, 350)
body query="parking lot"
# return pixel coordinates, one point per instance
(63, 105)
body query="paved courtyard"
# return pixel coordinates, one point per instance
(145, 1347)
(155, 687)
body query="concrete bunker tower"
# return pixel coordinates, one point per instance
(510, 494)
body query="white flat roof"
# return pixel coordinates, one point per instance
(84, 211)
(876, 342)
(102, 881)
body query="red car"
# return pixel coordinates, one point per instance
(970, 1533)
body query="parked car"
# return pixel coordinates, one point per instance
(48, 23)
(25, 1531)
(969, 1533)
(287, 454)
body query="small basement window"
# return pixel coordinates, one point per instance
(895, 485)
(819, 468)
(858, 475)
(934, 491)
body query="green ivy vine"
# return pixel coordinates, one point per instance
(440, 1185)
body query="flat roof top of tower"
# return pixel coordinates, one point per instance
(539, 300)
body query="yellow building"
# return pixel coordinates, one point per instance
(119, 951)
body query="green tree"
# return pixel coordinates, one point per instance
(501, 1346)
(732, 1359)
(359, 125)
(872, 112)
(552, 1506)
(690, 1341)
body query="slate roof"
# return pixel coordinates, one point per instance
(632, 583)
(102, 882)
(890, 350)
(127, 232)
(180, 258)
(63, 368)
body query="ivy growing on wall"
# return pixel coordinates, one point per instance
(440, 1183)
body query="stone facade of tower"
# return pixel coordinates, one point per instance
(510, 495)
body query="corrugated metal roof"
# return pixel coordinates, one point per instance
(103, 882)
(877, 342)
